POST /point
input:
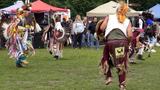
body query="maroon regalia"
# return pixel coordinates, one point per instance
(116, 54)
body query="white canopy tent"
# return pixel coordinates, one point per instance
(11, 8)
(108, 9)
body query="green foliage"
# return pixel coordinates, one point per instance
(83, 6)
(5, 3)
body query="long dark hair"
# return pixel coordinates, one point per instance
(147, 15)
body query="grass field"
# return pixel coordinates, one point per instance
(78, 70)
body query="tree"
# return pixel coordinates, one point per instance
(83, 6)
(5, 3)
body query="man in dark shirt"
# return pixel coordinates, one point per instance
(92, 26)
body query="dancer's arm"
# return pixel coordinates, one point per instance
(129, 31)
(104, 24)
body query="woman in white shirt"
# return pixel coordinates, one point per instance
(77, 29)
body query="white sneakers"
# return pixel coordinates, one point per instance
(157, 44)
(153, 51)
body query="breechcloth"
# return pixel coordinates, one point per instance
(116, 54)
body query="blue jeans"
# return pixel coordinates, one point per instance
(88, 39)
(152, 40)
(94, 42)
(84, 43)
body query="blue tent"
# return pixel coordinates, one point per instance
(155, 10)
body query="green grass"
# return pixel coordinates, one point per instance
(78, 70)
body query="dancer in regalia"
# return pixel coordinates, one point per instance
(58, 34)
(19, 33)
(54, 35)
(117, 31)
